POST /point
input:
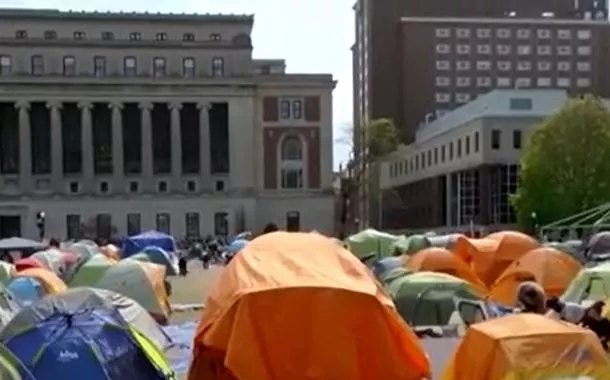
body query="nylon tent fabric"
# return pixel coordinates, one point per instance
(64, 335)
(444, 261)
(590, 284)
(9, 306)
(20, 244)
(142, 282)
(426, 298)
(85, 250)
(55, 260)
(527, 346)
(7, 271)
(371, 241)
(553, 270)
(383, 266)
(444, 241)
(26, 289)
(137, 243)
(112, 251)
(11, 368)
(52, 284)
(162, 257)
(406, 245)
(141, 257)
(284, 279)
(91, 271)
(574, 248)
(28, 263)
(599, 243)
(491, 255)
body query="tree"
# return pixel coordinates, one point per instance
(565, 167)
(381, 138)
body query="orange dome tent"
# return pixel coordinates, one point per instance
(441, 260)
(49, 280)
(546, 266)
(527, 346)
(491, 255)
(296, 305)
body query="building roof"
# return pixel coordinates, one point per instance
(497, 103)
(55, 14)
(506, 20)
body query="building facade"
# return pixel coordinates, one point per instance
(113, 123)
(464, 166)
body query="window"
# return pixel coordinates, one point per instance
(297, 109)
(69, 69)
(495, 139)
(463, 49)
(524, 66)
(219, 186)
(517, 139)
(484, 81)
(74, 187)
(285, 109)
(292, 163)
(442, 48)
(543, 34)
(443, 81)
(37, 63)
(467, 145)
(544, 50)
(503, 65)
(564, 66)
(103, 224)
(483, 65)
(463, 65)
(188, 67)
(564, 34)
(524, 33)
(443, 65)
(476, 142)
(442, 98)
(564, 50)
(459, 148)
(483, 49)
(544, 66)
(462, 98)
(564, 82)
(503, 33)
(450, 150)
(50, 35)
(215, 37)
(21, 34)
(218, 66)
(104, 187)
(99, 66)
(164, 223)
(583, 66)
(443, 153)
(73, 226)
(159, 67)
(161, 37)
(293, 221)
(463, 81)
(133, 224)
(78, 35)
(135, 36)
(131, 66)
(483, 33)
(504, 82)
(524, 50)
(503, 49)
(162, 187)
(192, 224)
(462, 33)
(189, 37)
(523, 82)
(107, 36)
(583, 50)
(134, 186)
(543, 82)
(435, 155)
(584, 34)
(191, 186)
(442, 32)
(221, 223)
(583, 82)
(6, 65)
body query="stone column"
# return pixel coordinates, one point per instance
(205, 180)
(176, 146)
(118, 170)
(25, 147)
(87, 146)
(57, 157)
(147, 147)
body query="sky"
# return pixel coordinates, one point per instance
(314, 36)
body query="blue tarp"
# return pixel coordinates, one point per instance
(236, 246)
(137, 243)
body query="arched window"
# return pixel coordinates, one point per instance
(292, 163)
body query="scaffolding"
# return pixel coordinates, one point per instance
(580, 225)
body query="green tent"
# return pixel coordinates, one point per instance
(91, 271)
(573, 248)
(371, 242)
(590, 284)
(11, 368)
(406, 245)
(426, 298)
(6, 272)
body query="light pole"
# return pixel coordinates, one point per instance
(40, 223)
(534, 219)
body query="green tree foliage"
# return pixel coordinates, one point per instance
(382, 137)
(565, 167)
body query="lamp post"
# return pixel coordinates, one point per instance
(40, 223)
(534, 219)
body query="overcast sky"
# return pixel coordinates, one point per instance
(314, 36)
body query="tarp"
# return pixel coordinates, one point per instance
(490, 256)
(69, 334)
(427, 298)
(349, 328)
(590, 284)
(443, 261)
(371, 241)
(137, 243)
(142, 282)
(91, 271)
(52, 284)
(20, 244)
(553, 270)
(527, 346)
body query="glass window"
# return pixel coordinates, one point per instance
(73, 227)
(524, 50)
(517, 139)
(483, 49)
(99, 64)
(131, 66)
(21, 34)
(297, 109)
(221, 224)
(218, 66)
(188, 67)
(442, 32)
(543, 33)
(544, 50)
(215, 37)
(193, 228)
(135, 36)
(293, 221)
(133, 224)
(188, 37)
(443, 81)
(159, 67)
(483, 65)
(503, 33)
(476, 142)
(104, 226)
(584, 34)
(164, 223)
(524, 33)
(463, 65)
(564, 34)
(50, 35)
(483, 33)
(80, 35)
(442, 48)
(443, 65)
(463, 33)
(467, 145)
(6, 65)
(161, 36)
(69, 66)
(496, 135)
(583, 50)
(285, 109)
(107, 36)
(37, 62)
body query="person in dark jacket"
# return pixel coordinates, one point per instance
(270, 227)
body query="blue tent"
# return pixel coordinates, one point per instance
(26, 289)
(65, 336)
(236, 246)
(162, 257)
(137, 243)
(383, 266)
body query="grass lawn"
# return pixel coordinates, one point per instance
(192, 289)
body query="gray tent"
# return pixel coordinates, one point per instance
(20, 244)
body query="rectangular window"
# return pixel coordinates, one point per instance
(161, 36)
(37, 63)
(517, 139)
(188, 37)
(293, 221)
(442, 32)
(467, 145)
(134, 224)
(476, 142)
(6, 65)
(130, 67)
(495, 139)
(107, 36)
(450, 150)
(285, 109)
(164, 223)
(218, 67)
(73, 227)
(221, 224)
(21, 34)
(135, 36)
(297, 109)
(104, 226)
(193, 228)
(188, 67)
(443, 153)
(159, 67)
(69, 66)
(99, 66)
(80, 35)
(459, 148)
(50, 35)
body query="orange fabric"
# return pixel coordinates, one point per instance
(156, 275)
(491, 255)
(546, 266)
(52, 284)
(524, 344)
(441, 260)
(28, 263)
(295, 306)
(111, 251)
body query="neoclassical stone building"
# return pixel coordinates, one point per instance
(113, 123)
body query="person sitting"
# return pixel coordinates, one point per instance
(568, 311)
(594, 320)
(531, 298)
